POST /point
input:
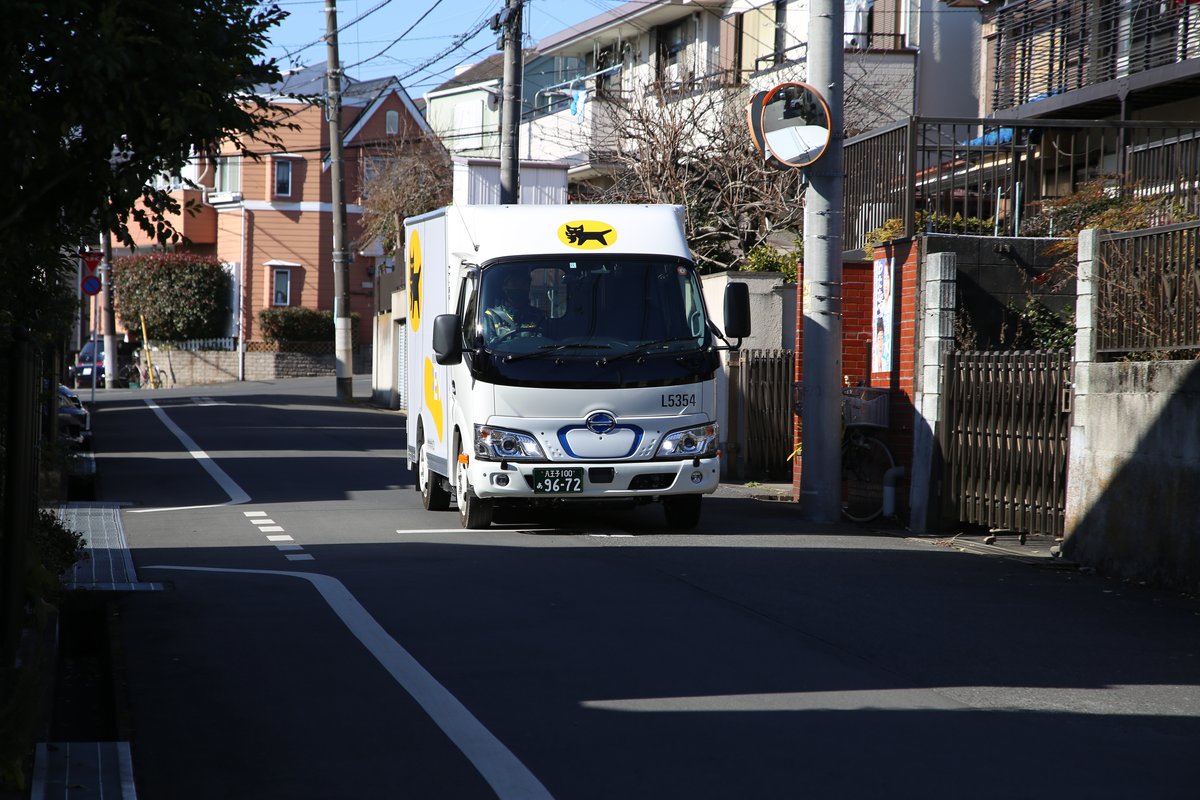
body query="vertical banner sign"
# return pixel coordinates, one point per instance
(881, 316)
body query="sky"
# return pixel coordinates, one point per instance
(367, 49)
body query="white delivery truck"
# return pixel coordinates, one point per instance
(561, 354)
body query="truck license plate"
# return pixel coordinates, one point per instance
(558, 480)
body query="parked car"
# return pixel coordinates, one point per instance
(87, 369)
(72, 416)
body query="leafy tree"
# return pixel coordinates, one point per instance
(182, 296)
(100, 96)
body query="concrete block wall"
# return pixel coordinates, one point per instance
(198, 368)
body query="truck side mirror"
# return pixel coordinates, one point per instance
(737, 310)
(447, 344)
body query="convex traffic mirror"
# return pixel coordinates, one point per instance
(790, 123)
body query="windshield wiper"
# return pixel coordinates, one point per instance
(547, 349)
(642, 350)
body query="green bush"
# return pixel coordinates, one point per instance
(297, 324)
(765, 258)
(53, 549)
(181, 295)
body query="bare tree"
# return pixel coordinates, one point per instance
(411, 176)
(696, 151)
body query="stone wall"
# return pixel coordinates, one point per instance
(197, 368)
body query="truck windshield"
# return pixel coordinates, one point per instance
(606, 307)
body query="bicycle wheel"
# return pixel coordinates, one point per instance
(865, 460)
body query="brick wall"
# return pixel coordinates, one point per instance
(856, 337)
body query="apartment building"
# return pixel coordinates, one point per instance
(902, 57)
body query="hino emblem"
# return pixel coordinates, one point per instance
(600, 422)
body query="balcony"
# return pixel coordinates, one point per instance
(993, 178)
(1064, 57)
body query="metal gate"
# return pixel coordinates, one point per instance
(766, 390)
(1004, 436)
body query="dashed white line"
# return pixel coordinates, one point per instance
(282, 541)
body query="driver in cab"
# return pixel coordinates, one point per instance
(512, 313)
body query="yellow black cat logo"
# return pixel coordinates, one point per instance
(587, 234)
(414, 281)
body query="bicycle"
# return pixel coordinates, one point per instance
(865, 458)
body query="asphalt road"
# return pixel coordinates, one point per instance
(323, 636)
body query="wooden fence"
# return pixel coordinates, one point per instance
(1004, 437)
(766, 391)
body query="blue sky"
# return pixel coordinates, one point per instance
(360, 44)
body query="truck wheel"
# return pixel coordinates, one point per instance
(473, 512)
(434, 495)
(682, 511)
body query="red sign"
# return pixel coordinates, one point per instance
(90, 285)
(91, 259)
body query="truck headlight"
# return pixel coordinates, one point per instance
(501, 444)
(690, 442)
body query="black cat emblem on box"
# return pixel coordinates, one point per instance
(587, 234)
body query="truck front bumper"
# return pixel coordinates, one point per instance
(600, 480)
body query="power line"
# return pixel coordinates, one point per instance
(398, 38)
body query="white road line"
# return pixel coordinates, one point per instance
(508, 777)
(263, 521)
(280, 538)
(271, 529)
(255, 513)
(286, 548)
(299, 557)
(235, 492)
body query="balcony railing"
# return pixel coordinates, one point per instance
(1043, 48)
(986, 178)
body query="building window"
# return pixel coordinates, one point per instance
(283, 178)
(393, 123)
(281, 292)
(229, 178)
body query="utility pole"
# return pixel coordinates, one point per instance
(342, 349)
(820, 495)
(112, 367)
(510, 110)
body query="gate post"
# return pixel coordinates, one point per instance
(938, 299)
(1090, 243)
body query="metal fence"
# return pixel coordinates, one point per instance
(1004, 437)
(989, 178)
(766, 389)
(1043, 48)
(1148, 290)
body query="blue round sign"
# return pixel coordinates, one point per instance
(90, 285)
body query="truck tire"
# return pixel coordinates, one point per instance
(474, 513)
(682, 511)
(434, 495)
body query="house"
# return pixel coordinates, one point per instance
(268, 213)
(900, 60)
